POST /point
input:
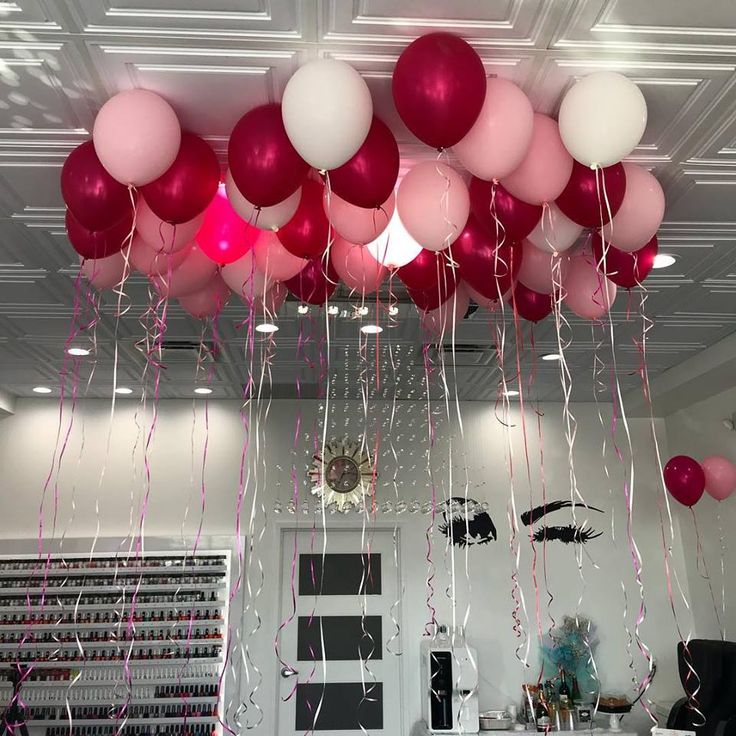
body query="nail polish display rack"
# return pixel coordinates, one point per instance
(122, 646)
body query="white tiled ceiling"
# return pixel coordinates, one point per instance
(215, 59)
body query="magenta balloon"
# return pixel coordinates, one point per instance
(368, 179)
(684, 479)
(625, 269)
(265, 165)
(513, 219)
(356, 224)
(536, 270)
(546, 168)
(274, 260)
(426, 271)
(209, 300)
(357, 268)
(439, 85)
(98, 243)
(104, 273)
(96, 200)
(448, 316)
(500, 138)
(312, 284)
(152, 262)
(306, 234)
(589, 201)
(641, 211)
(136, 136)
(190, 276)
(587, 293)
(720, 476)
(530, 305)
(159, 234)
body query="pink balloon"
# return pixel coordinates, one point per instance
(501, 136)
(104, 273)
(358, 269)
(546, 168)
(136, 136)
(483, 301)
(433, 204)
(274, 260)
(209, 300)
(588, 293)
(447, 316)
(159, 234)
(190, 276)
(270, 303)
(357, 224)
(264, 218)
(555, 232)
(720, 476)
(244, 278)
(641, 211)
(536, 271)
(152, 262)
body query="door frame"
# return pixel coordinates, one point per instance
(286, 526)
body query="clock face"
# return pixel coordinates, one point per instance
(342, 475)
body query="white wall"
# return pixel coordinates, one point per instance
(27, 439)
(698, 431)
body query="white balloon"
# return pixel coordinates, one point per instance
(555, 232)
(245, 279)
(264, 218)
(327, 112)
(394, 247)
(602, 118)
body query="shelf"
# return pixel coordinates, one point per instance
(99, 589)
(62, 665)
(62, 626)
(80, 722)
(113, 571)
(81, 684)
(210, 699)
(119, 643)
(114, 606)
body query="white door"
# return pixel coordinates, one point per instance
(340, 670)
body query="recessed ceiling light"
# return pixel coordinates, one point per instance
(362, 311)
(371, 329)
(511, 392)
(302, 309)
(393, 310)
(41, 390)
(663, 260)
(78, 352)
(202, 390)
(551, 356)
(267, 328)
(123, 390)
(333, 309)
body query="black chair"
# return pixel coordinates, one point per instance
(714, 662)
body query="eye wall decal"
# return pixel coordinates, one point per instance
(466, 524)
(566, 534)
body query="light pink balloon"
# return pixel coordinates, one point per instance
(448, 315)
(244, 278)
(641, 211)
(484, 301)
(720, 476)
(150, 262)
(546, 168)
(209, 300)
(104, 273)
(136, 136)
(273, 259)
(587, 293)
(555, 232)
(536, 270)
(159, 234)
(269, 304)
(433, 204)
(357, 224)
(501, 136)
(358, 269)
(190, 276)
(264, 218)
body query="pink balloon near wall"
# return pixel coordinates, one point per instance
(152, 262)
(536, 270)
(244, 278)
(357, 268)
(448, 316)
(588, 293)
(193, 273)
(209, 300)
(160, 235)
(274, 260)
(136, 136)
(546, 168)
(500, 138)
(720, 476)
(433, 204)
(104, 273)
(684, 479)
(641, 211)
(357, 224)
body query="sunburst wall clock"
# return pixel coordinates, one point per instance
(343, 474)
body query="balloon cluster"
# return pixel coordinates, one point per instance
(686, 479)
(308, 198)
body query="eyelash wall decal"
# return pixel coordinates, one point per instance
(530, 517)
(569, 534)
(479, 528)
